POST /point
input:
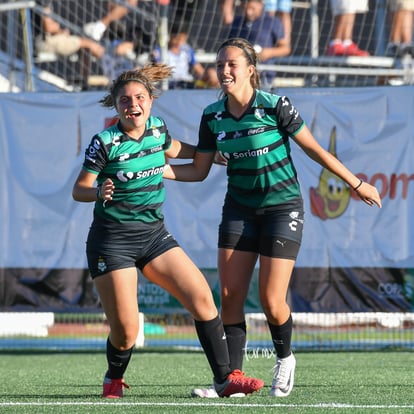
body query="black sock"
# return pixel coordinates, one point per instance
(282, 337)
(117, 361)
(236, 342)
(213, 340)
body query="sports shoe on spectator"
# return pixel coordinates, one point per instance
(391, 50)
(283, 378)
(399, 50)
(406, 50)
(336, 49)
(113, 388)
(237, 383)
(341, 49)
(95, 30)
(353, 50)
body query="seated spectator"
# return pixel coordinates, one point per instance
(344, 12)
(209, 79)
(96, 30)
(181, 56)
(265, 32)
(401, 35)
(280, 8)
(53, 38)
(130, 41)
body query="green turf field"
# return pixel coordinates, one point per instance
(341, 382)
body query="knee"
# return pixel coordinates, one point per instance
(232, 298)
(276, 312)
(204, 307)
(124, 337)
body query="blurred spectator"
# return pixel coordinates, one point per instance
(228, 11)
(53, 38)
(344, 12)
(401, 35)
(96, 30)
(131, 40)
(209, 80)
(181, 56)
(280, 8)
(265, 32)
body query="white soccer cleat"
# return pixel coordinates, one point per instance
(204, 392)
(283, 378)
(94, 30)
(212, 393)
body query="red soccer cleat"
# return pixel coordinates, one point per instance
(113, 388)
(238, 383)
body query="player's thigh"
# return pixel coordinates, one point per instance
(118, 294)
(174, 271)
(235, 270)
(274, 278)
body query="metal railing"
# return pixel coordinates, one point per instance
(311, 66)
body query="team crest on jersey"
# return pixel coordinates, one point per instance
(259, 113)
(156, 132)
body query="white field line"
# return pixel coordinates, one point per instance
(210, 404)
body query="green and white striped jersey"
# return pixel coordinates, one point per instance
(135, 167)
(260, 170)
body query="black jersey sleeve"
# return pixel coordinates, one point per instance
(288, 118)
(96, 155)
(168, 139)
(206, 138)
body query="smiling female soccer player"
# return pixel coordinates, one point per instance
(263, 214)
(128, 232)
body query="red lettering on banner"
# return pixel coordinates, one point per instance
(393, 186)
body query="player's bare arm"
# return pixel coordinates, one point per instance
(194, 171)
(368, 193)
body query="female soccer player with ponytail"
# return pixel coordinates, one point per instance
(128, 232)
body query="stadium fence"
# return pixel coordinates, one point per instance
(23, 69)
(363, 331)
(151, 22)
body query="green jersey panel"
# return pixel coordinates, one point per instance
(135, 167)
(260, 169)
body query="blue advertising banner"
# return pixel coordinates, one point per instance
(347, 246)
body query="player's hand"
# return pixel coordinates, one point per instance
(107, 189)
(219, 159)
(369, 194)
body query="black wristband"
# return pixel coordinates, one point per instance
(359, 185)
